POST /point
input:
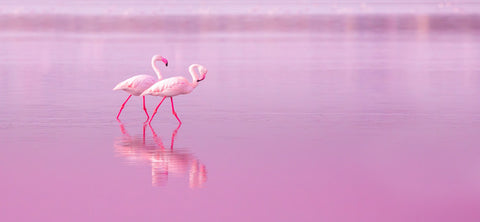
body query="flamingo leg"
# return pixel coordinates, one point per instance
(155, 112)
(173, 111)
(144, 126)
(145, 108)
(123, 105)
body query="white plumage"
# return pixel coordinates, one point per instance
(136, 85)
(176, 86)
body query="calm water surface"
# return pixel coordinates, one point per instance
(348, 125)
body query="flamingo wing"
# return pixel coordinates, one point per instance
(168, 87)
(136, 84)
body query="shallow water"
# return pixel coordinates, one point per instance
(357, 124)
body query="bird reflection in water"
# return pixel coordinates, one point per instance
(164, 161)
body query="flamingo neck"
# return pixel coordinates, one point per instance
(194, 74)
(156, 69)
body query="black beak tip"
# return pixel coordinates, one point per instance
(166, 64)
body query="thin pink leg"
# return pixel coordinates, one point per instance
(173, 111)
(144, 126)
(145, 108)
(155, 112)
(123, 105)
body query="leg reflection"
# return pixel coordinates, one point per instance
(164, 163)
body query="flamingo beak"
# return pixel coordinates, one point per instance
(164, 60)
(198, 80)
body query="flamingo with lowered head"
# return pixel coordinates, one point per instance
(139, 83)
(176, 86)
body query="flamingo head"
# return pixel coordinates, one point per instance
(203, 72)
(160, 58)
(164, 60)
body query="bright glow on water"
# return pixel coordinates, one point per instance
(358, 120)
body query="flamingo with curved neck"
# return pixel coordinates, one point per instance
(139, 83)
(175, 86)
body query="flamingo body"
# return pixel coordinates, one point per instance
(139, 83)
(136, 84)
(175, 86)
(170, 87)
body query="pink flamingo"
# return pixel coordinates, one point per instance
(176, 86)
(139, 83)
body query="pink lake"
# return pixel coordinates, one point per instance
(302, 118)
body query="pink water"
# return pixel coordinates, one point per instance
(362, 123)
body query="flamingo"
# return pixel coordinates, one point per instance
(137, 84)
(175, 86)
